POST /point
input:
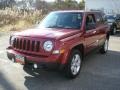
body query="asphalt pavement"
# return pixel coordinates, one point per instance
(99, 72)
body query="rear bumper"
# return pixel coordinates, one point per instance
(53, 61)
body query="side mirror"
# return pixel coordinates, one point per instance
(90, 26)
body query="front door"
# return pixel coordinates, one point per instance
(90, 34)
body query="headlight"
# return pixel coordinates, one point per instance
(12, 40)
(48, 46)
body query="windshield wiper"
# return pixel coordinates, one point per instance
(66, 27)
(55, 26)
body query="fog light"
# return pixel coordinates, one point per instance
(35, 66)
(56, 52)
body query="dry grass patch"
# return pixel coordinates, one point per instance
(13, 20)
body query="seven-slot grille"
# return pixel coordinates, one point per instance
(26, 44)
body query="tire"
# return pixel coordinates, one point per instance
(114, 30)
(73, 66)
(104, 48)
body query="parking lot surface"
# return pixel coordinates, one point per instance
(99, 72)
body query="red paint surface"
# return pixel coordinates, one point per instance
(63, 39)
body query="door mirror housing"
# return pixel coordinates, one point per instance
(90, 26)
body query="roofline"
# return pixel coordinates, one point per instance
(85, 11)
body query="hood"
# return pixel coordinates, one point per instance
(47, 33)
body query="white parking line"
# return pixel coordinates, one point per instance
(4, 61)
(2, 51)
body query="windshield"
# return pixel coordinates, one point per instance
(110, 17)
(62, 20)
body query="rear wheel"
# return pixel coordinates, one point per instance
(73, 66)
(104, 48)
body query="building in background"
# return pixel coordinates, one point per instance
(108, 6)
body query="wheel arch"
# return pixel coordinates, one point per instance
(79, 47)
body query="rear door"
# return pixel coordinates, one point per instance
(90, 33)
(101, 27)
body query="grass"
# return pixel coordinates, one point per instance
(21, 24)
(14, 20)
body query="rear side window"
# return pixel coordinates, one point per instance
(100, 18)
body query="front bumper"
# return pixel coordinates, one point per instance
(53, 61)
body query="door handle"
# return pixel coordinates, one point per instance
(94, 32)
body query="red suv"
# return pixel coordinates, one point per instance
(61, 40)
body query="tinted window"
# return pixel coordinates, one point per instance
(99, 18)
(62, 20)
(90, 22)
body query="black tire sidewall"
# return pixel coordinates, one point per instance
(102, 50)
(68, 65)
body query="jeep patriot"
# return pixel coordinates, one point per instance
(60, 41)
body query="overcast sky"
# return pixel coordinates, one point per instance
(109, 6)
(54, 0)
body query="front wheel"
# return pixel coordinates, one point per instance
(73, 66)
(104, 48)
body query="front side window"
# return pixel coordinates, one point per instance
(90, 22)
(62, 20)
